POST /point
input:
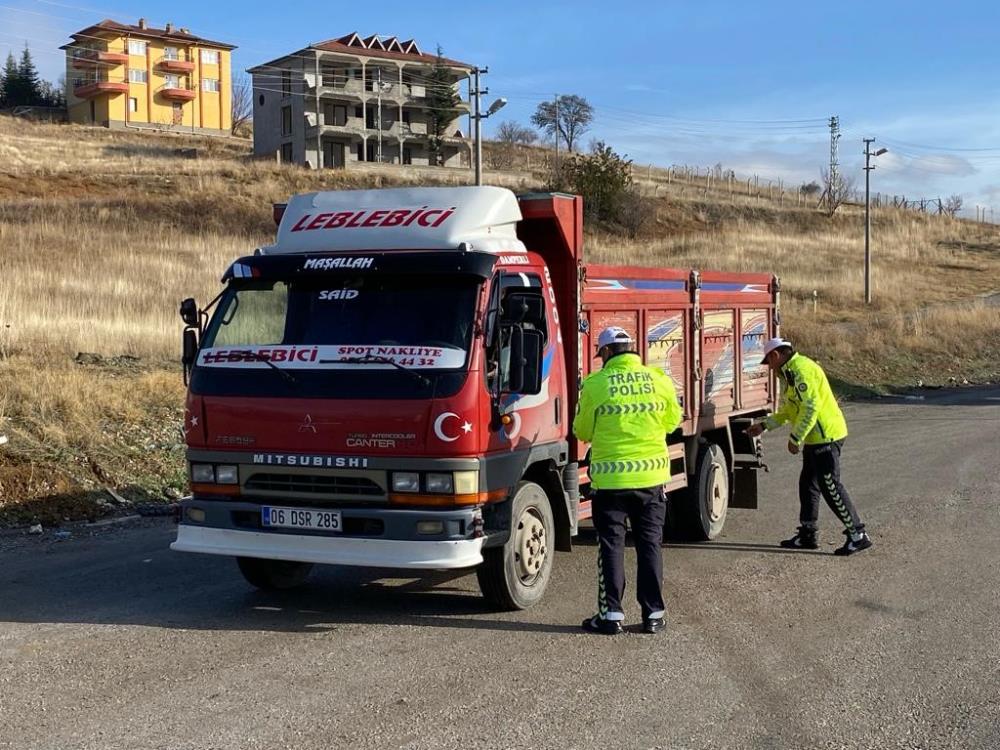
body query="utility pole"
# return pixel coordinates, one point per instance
(868, 220)
(555, 101)
(833, 181)
(378, 114)
(477, 118)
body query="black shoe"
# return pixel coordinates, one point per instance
(653, 625)
(604, 627)
(851, 546)
(805, 538)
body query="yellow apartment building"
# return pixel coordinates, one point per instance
(120, 75)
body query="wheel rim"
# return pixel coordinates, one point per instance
(530, 546)
(718, 493)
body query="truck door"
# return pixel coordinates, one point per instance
(535, 418)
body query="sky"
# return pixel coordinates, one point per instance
(750, 85)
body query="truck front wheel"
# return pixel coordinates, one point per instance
(515, 575)
(698, 512)
(273, 575)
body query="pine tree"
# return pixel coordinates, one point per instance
(442, 106)
(9, 89)
(29, 82)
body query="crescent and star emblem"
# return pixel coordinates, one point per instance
(439, 427)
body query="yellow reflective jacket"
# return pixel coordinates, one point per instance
(626, 411)
(808, 404)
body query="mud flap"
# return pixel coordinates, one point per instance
(744, 488)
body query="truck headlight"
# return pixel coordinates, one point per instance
(405, 481)
(467, 482)
(203, 473)
(227, 474)
(440, 484)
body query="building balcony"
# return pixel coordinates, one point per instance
(413, 129)
(332, 85)
(175, 65)
(178, 92)
(93, 58)
(90, 88)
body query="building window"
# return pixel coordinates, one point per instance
(209, 57)
(358, 112)
(133, 104)
(286, 153)
(286, 120)
(137, 76)
(136, 47)
(286, 83)
(210, 84)
(170, 53)
(172, 81)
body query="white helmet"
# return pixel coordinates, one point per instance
(614, 335)
(776, 343)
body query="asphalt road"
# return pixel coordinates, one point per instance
(109, 640)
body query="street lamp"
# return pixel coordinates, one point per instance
(868, 220)
(500, 103)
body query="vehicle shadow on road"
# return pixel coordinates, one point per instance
(203, 593)
(374, 597)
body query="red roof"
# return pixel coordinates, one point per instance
(174, 35)
(389, 48)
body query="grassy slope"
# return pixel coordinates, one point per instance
(102, 233)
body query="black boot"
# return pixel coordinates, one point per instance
(855, 543)
(598, 624)
(805, 538)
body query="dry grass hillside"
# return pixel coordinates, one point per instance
(102, 233)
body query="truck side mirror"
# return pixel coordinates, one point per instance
(526, 349)
(189, 351)
(523, 307)
(189, 313)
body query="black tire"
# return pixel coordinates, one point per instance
(273, 575)
(698, 512)
(515, 575)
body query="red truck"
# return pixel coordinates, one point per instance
(392, 384)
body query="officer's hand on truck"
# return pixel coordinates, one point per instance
(755, 429)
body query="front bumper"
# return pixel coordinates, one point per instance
(332, 550)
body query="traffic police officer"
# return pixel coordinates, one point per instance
(818, 430)
(626, 411)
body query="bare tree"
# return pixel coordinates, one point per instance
(952, 205)
(513, 133)
(567, 117)
(836, 192)
(242, 107)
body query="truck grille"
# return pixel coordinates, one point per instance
(314, 484)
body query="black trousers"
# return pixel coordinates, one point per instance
(645, 510)
(820, 477)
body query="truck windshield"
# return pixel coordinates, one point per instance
(362, 330)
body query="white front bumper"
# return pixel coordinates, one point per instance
(330, 550)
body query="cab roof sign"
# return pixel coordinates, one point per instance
(480, 218)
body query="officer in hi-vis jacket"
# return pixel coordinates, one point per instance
(818, 430)
(626, 411)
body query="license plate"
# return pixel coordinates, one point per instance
(300, 518)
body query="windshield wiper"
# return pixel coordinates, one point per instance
(379, 359)
(257, 356)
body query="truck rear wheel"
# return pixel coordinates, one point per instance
(698, 512)
(273, 575)
(515, 575)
